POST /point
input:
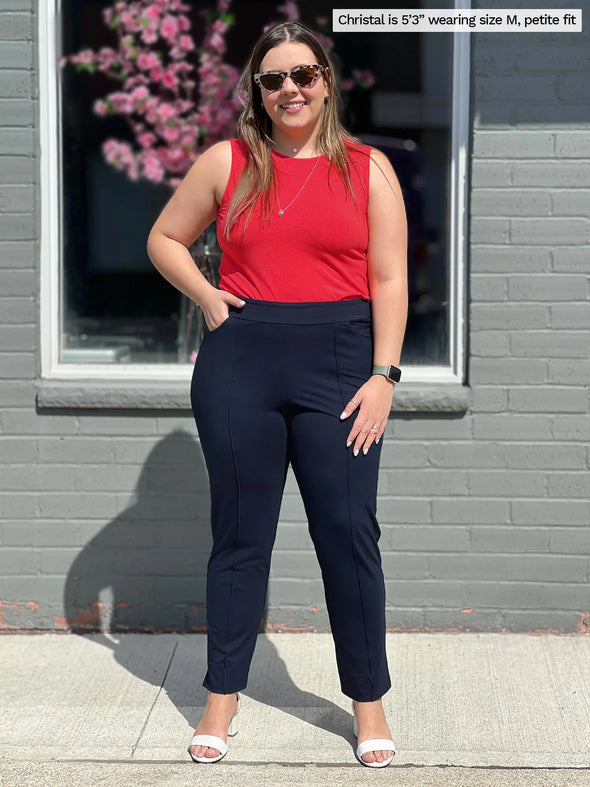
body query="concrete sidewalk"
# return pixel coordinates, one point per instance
(464, 709)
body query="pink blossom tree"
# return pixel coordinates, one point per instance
(172, 122)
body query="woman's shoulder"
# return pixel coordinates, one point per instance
(224, 156)
(219, 151)
(239, 146)
(358, 149)
(223, 152)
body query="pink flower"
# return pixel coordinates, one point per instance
(166, 111)
(188, 140)
(170, 134)
(152, 168)
(363, 78)
(217, 42)
(153, 12)
(146, 140)
(169, 27)
(120, 155)
(85, 56)
(326, 41)
(106, 57)
(139, 93)
(100, 107)
(127, 20)
(147, 60)
(109, 148)
(169, 80)
(148, 36)
(290, 10)
(132, 169)
(122, 103)
(205, 70)
(219, 26)
(186, 43)
(220, 93)
(138, 79)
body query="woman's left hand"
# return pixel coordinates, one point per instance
(374, 402)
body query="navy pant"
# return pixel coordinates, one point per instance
(268, 388)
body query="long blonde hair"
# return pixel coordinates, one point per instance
(258, 177)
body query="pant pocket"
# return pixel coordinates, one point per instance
(362, 327)
(221, 325)
(354, 352)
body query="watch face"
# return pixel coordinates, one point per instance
(394, 374)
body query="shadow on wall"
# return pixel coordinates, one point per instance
(146, 570)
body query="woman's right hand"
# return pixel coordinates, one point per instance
(215, 306)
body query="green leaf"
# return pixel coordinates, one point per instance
(89, 67)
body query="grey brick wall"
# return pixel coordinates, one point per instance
(484, 517)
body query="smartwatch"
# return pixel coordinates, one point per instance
(389, 371)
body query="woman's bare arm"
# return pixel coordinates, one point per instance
(387, 261)
(190, 210)
(387, 271)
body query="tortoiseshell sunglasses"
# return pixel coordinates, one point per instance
(302, 76)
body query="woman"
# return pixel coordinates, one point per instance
(305, 330)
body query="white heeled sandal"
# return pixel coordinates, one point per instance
(374, 744)
(214, 742)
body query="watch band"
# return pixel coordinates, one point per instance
(389, 371)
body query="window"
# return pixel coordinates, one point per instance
(106, 312)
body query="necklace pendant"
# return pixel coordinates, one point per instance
(281, 212)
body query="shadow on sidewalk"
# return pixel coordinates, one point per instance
(145, 572)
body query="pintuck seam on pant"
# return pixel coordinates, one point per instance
(238, 515)
(353, 549)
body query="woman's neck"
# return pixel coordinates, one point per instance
(292, 145)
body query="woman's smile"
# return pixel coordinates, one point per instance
(293, 106)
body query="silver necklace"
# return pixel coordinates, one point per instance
(282, 210)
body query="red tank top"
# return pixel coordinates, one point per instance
(316, 251)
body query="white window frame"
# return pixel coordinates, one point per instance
(51, 226)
